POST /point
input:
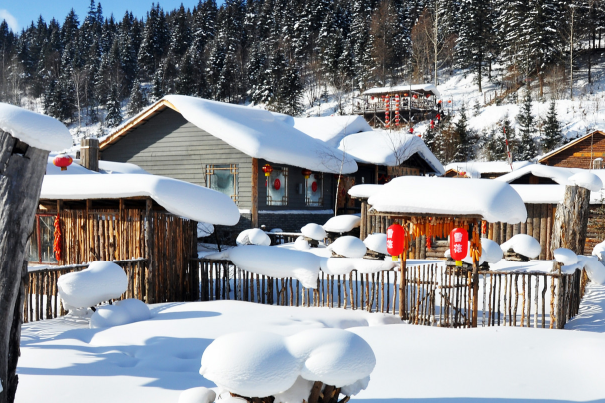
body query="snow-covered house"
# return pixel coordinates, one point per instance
(482, 169)
(586, 152)
(225, 147)
(86, 216)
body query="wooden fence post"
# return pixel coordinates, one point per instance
(149, 248)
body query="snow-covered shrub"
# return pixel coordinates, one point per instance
(122, 313)
(102, 281)
(198, 395)
(253, 236)
(349, 246)
(261, 364)
(523, 244)
(314, 231)
(565, 256)
(342, 223)
(377, 243)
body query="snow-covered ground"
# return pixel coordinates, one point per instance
(153, 361)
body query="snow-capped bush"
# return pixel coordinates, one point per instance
(377, 243)
(198, 395)
(342, 223)
(565, 256)
(523, 244)
(314, 231)
(123, 312)
(259, 364)
(102, 281)
(253, 236)
(349, 246)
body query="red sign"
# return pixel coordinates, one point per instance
(458, 244)
(277, 184)
(314, 187)
(395, 240)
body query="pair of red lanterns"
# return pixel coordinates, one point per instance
(458, 242)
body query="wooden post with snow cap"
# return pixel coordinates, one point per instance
(89, 154)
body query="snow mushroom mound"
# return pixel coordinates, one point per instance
(314, 231)
(259, 364)
(349, 246)
(565, 256)
(102, 281)
(342, 223)
(523, 244)
(253, 236)
(377, 243)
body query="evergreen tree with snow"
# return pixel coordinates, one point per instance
(463, 147)
(526, 149)
(552, 129)
(114, 113)
(137, 100)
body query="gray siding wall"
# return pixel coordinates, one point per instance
(168, 145)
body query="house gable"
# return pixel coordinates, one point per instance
(579, 153)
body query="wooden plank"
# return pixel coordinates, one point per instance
(543, 225)
(530, 219)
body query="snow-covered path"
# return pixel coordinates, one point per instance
(154, 360)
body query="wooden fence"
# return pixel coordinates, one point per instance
(434, 294)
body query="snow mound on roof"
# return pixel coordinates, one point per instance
(490, 251)
(178, 197)
(377, 243)
(349, 246)
(314, 231)
(381, 147)
(565, 256)
(338, 266)
(342, 223)
(253, 236)
(102, 281)
(199, 395)
(257, 363)
(403, 87)
(331, 129)
(594, 269)
(364, 191)
(474, 169)
(37, 130)
(274, 262)
(121, 313)
(523, 244)
(586, 180)
(492, 200)
(540, 194)
(111, 167)
(260, 134)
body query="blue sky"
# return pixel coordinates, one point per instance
(19, 14)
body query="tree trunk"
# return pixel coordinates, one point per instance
(15, 336)
(571, 220)
(21, 173)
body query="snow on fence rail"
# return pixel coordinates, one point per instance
(435, 294)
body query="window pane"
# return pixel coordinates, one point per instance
(33, 244)
(314, 190)
(222, 178)
(47, 238)
(277, 187)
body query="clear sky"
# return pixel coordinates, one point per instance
(19, 13)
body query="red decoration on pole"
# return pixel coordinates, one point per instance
(432, 124)
(387, 112)
(277, 184)
(458, 245)
(411, 130)
(438, 116)
(62, 161)
(395, 240)
(314, 187)
(57, 244)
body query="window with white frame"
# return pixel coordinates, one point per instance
(277, 187)
(223, 178)
(314, 190)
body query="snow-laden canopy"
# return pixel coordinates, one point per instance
(492, 200)
(474, 169)
(382, 147)
(590, 179)
(426, 88)
(331, 129)
(181, 198)
(261, 134)
(364, 191)
(105, 167)
(37, 130)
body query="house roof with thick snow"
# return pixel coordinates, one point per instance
(394, 148)
(551, 194)
(36, 130)
(493, 201)
(422, 88)
(177, 197)
(255, 132)
(475, 169)
(592, 179)
(331, 129)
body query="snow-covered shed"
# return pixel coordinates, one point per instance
(87, 216)
(225, 147)
(482, 169)
(585, 152)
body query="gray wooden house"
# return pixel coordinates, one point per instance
(225, 147)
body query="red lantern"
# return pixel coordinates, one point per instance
(306, 173)
(438, 116)
(277, 184)
(405, 94)
(62, 161)
(439, 102)
(432, 124)
(267, 169)
(415, 96)
(458, 245)
(395, 240)
(411, 130)
(372, 97)
(428, 95)
(449, 101)
(314, 187)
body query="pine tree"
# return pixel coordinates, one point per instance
(114, 113)
(552, 129)
(137, 100)
(527, 148)
(463, 148)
